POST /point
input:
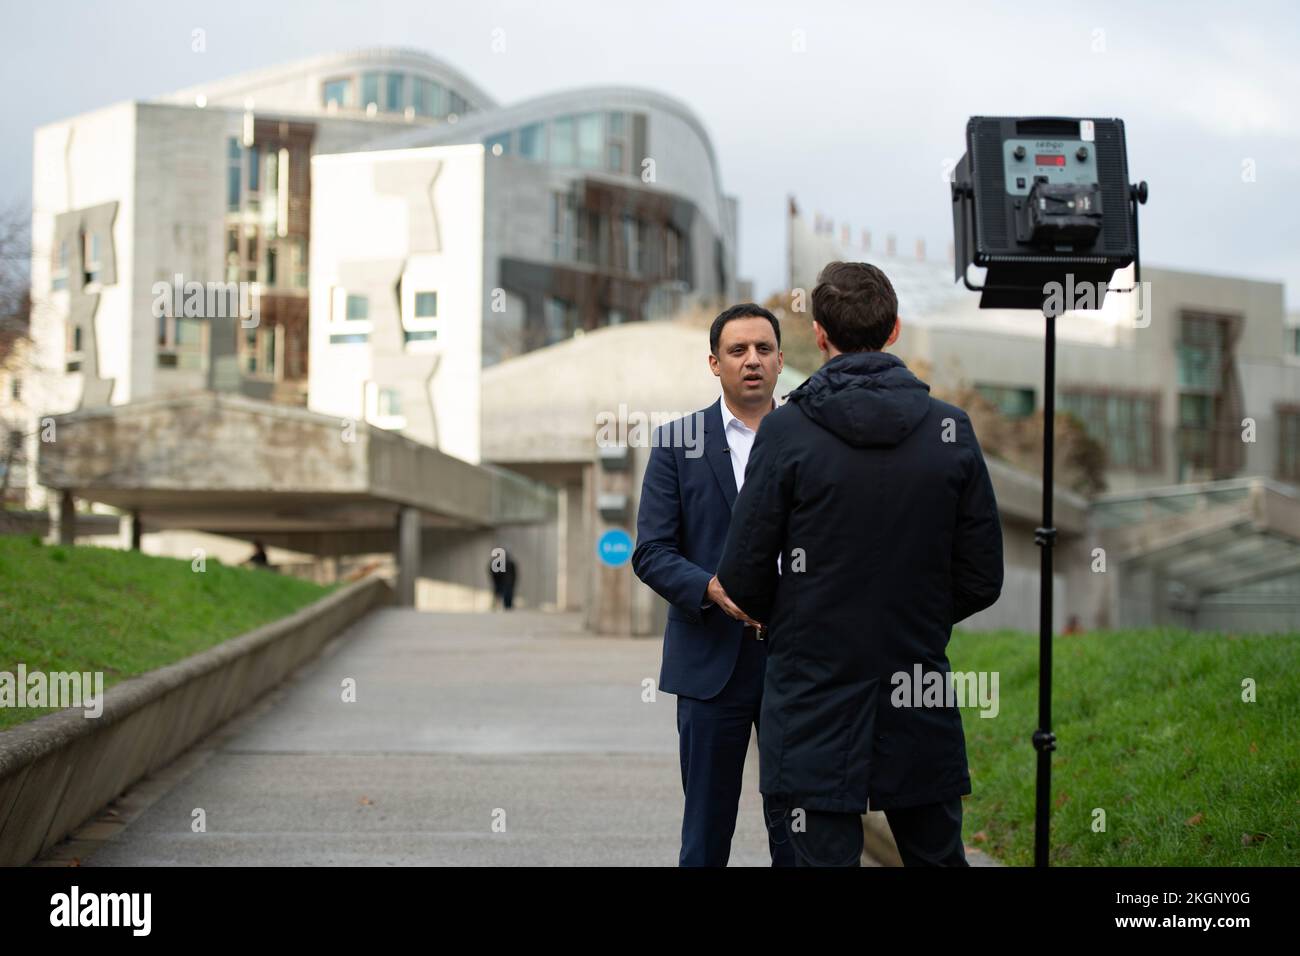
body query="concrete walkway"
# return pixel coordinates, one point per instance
(460, 721)
(458, 717)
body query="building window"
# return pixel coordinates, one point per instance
(389, 404)
(590, 246)
(672, 253)
(633, 248)
(1126, 424)
(252, 253)
(562, 151)
(1288, 437)
(395, 92)
(91, 252)
(532, 142)
(458, 105)
(618, 147)
(591, 145)
(1012, 401)
(370, 90)
(59, 278)
(180, 342)
(234, 173)
(298, 262)
(562, 239)
(1293, 341)
(498, 145)
(258, 347)
(421, 324)
(16, 388)
(349, 318)
(560, 320)
(254, 169)
(337, 93)
(426, 97)
(1203, 358)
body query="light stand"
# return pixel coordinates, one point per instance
(1071, 215)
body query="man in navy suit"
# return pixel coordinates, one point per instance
(714, 655)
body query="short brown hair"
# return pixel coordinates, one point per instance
(856, 305)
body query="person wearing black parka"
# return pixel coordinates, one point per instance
(876, 498)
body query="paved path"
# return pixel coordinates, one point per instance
(457, 716)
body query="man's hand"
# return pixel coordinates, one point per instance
(719, 597)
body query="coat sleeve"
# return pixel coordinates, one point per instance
(748, 572)
(977, 542)
(657, 559)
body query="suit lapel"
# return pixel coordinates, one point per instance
(715, 450)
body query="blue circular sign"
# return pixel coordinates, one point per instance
(615, 547)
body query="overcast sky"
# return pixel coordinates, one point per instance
(857, 126)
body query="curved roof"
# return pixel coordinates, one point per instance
(476, 126)
(576, 100)
(243, 84)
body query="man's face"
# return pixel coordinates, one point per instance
(748, 360)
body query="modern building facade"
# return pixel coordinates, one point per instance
(1191, 385)
(1195, 377)
(359, 233)
(445, 249)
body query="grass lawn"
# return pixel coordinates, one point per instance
(1152, 729)
(122, 612)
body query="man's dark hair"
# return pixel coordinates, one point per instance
(745, 310)
(856, 305)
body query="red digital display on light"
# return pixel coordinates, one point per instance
(1048, 159)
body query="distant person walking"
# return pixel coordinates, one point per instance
(259, 558)
(503, 572)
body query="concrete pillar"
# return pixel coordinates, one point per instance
(408, 554)
(130, 529)
(67, 517)
(1159, 596)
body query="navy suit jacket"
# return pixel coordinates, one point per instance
(681, 528)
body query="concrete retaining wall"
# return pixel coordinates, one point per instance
(60, 769)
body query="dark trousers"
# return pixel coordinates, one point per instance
(928, 835)
(714, 739)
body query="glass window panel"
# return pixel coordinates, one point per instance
(369, 89)
(358, 307)
(562, 151)
(394, 92)
(532, 142)
(189, 332)
(337, 91)
(590, 141)
(426, 305)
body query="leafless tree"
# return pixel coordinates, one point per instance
(15, 321)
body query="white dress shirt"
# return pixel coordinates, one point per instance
(740, 441)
